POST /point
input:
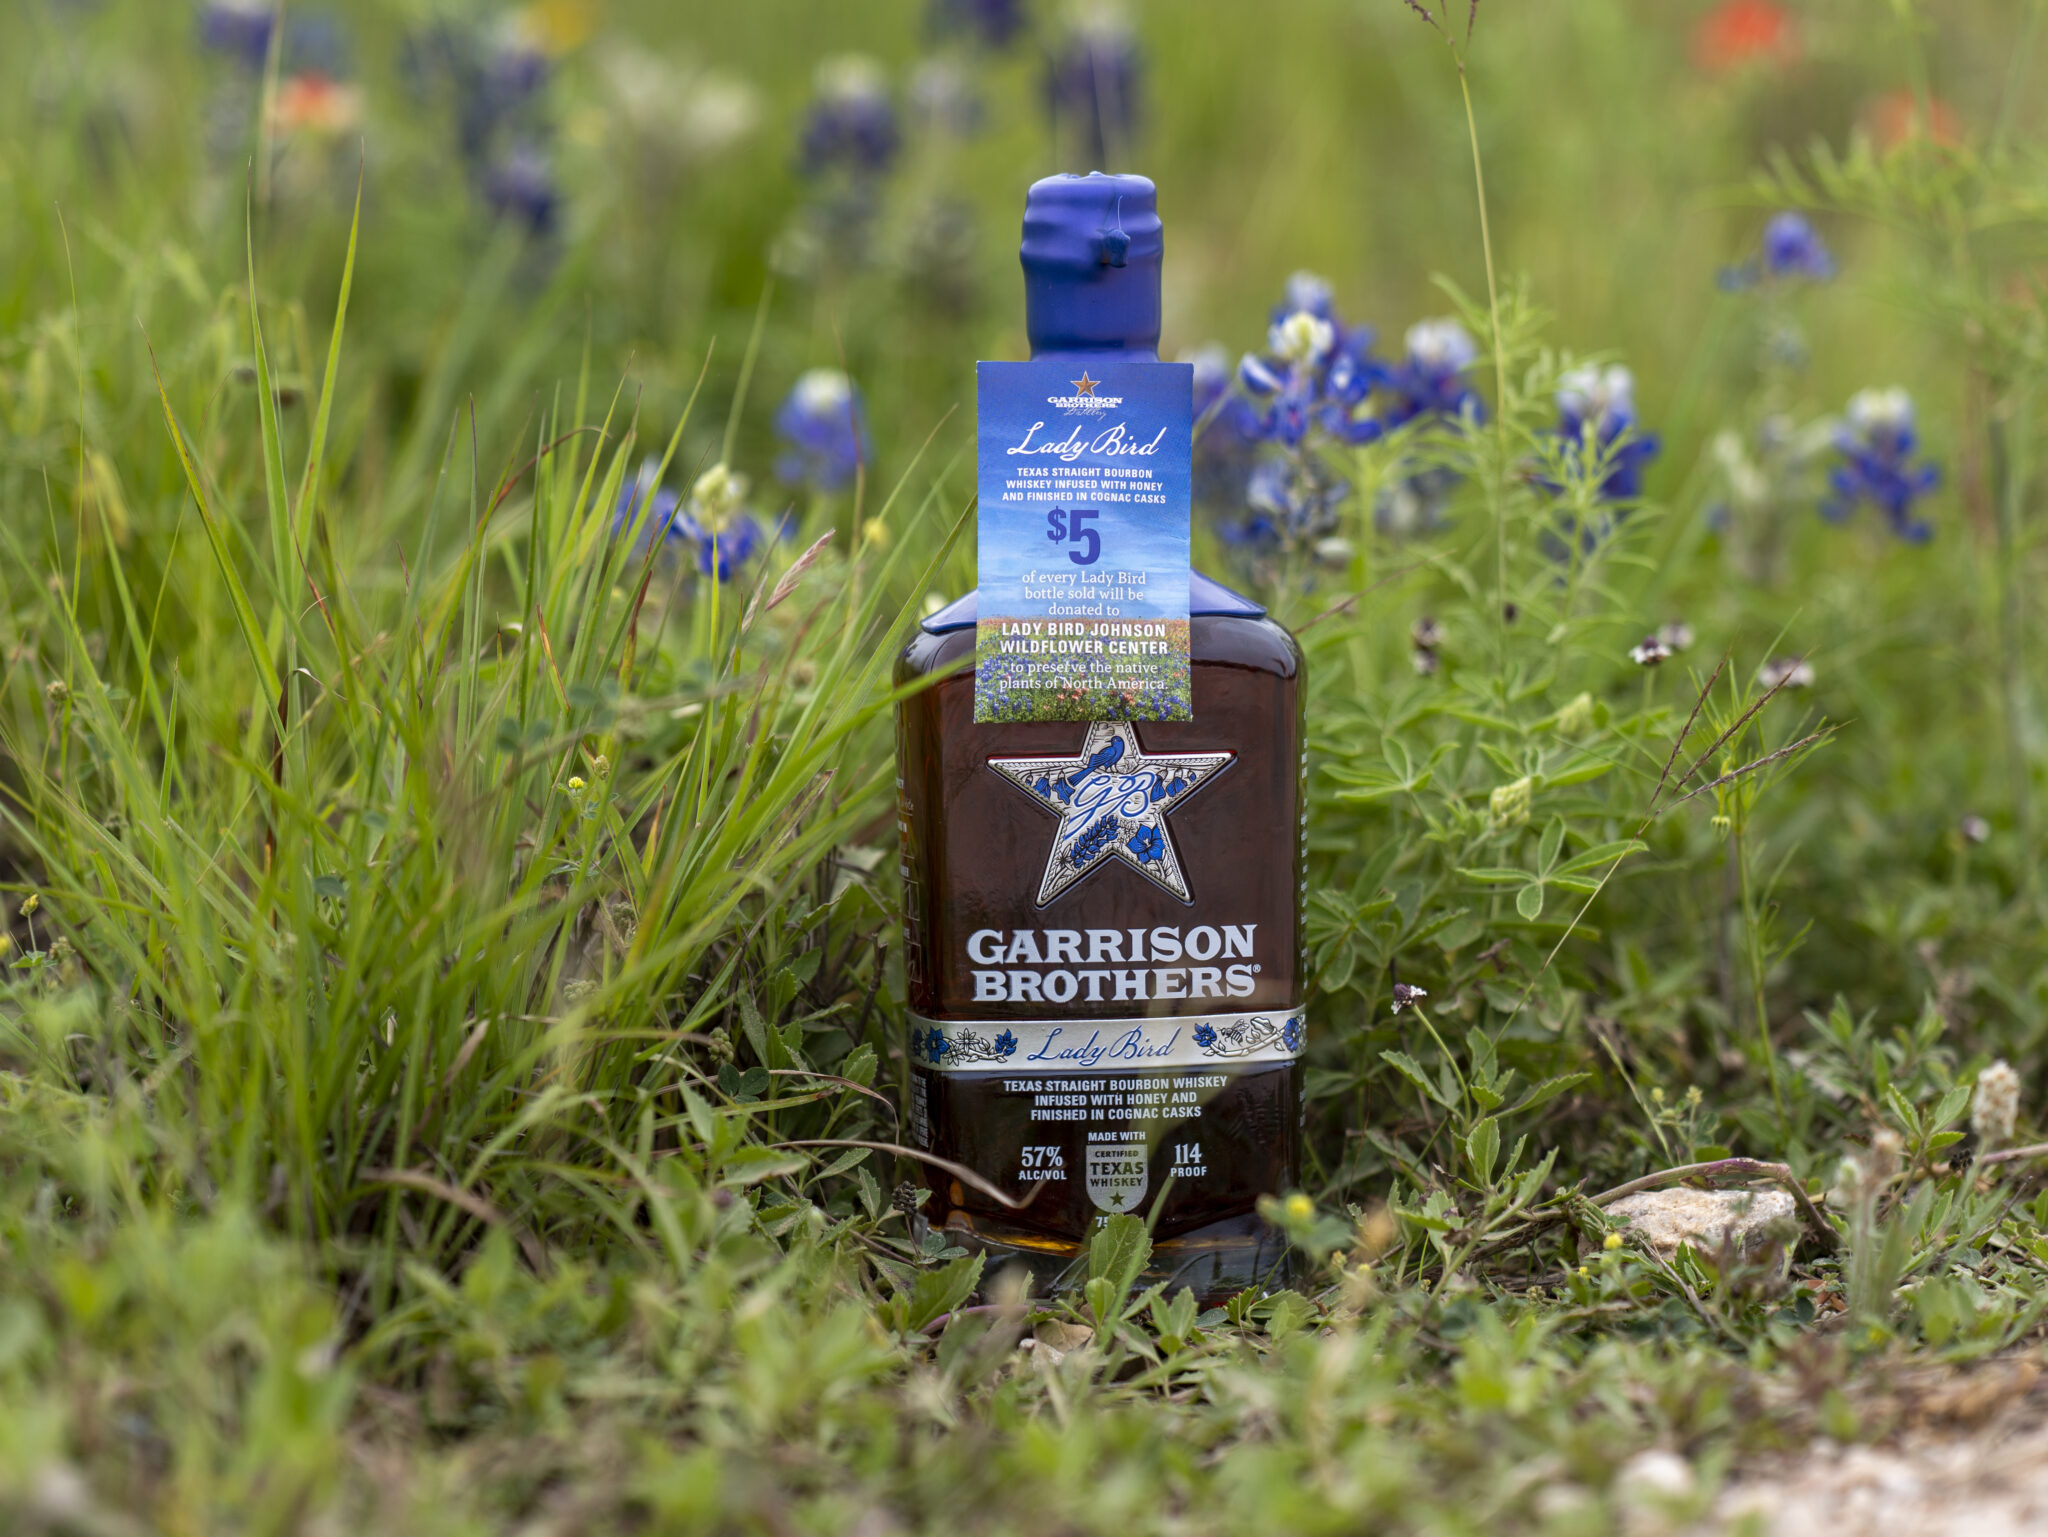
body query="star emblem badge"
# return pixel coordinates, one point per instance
(1112, 799)
(1085, 385)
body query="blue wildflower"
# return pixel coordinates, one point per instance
(1430, 380)
(520, 185)
(822, 427)
(1093, 82)
(1147, 844)
(1877, 441)
(994, 23)
(647, 505)
(1596, 414)
(1205, 1036)
(852, 122)
(936, 1045)
(1006, 1044)
(239, 28)
(1791, 248)
(1290, 503)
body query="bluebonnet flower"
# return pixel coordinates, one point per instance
(1313, 376)
(1147, 844)
(647, 505)
(314, 43)
(520, 185)
(852, 122)
(240, 28)
(1596, 412)
(824, 430)
(1430, 380)
(1792, 248)
(994, 23)
(715, 519)
(1289, 504)
(1093, 82)
(1006, 1044)
(943, 98)
(1205, 1036)
(1877, 441)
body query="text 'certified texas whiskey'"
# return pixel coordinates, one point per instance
(1101, 810)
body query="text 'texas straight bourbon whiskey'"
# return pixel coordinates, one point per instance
(1104, 916)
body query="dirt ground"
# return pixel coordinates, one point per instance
(1969, 1458)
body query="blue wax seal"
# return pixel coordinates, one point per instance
(1091, 252)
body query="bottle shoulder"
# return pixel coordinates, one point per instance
(1229, 640)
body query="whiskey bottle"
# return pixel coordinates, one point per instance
(1093, 1032)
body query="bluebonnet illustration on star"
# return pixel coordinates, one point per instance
(1877, 441)
(1791, 249)
(1104, 799)
(1093, 80)
(823, 430)
(851, 124)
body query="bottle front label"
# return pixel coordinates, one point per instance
(1082, 1046)
(1085, 487)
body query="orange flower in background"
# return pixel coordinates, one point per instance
(1898, 116)
(1740, 32)
(313, 103)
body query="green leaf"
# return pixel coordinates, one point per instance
(1410, 1069)
(1600, 854)
(1529, 900)
(1119, 1250)
(936, 1293)
(1495, 875)
(1549, 1089)
(751, 1165)
(1551, 845)
(1482, 1149)
(1953, 1104)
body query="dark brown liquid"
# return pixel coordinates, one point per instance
(974, 850)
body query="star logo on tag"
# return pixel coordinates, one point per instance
(1112, 799)
(1085, 385)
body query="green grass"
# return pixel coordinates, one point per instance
(453, 965)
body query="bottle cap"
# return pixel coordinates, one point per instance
(1091, 264)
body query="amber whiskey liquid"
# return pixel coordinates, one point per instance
(1074, 1115)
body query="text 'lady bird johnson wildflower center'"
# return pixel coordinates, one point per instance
(1084, 484)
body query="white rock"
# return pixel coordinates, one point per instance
(1750, 1219)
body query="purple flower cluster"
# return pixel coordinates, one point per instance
(1877, 442)
(713, 525)
(851, 125)
(495, 82)
(993, 23)
(823, 431)
(1596, 416)
(1791, 248)
(241, 29)
(1093, 83)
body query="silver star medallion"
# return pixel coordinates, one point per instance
(1112, 799)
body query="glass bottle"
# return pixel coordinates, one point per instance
(1115, 1047)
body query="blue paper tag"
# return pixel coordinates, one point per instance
(1085, 485)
